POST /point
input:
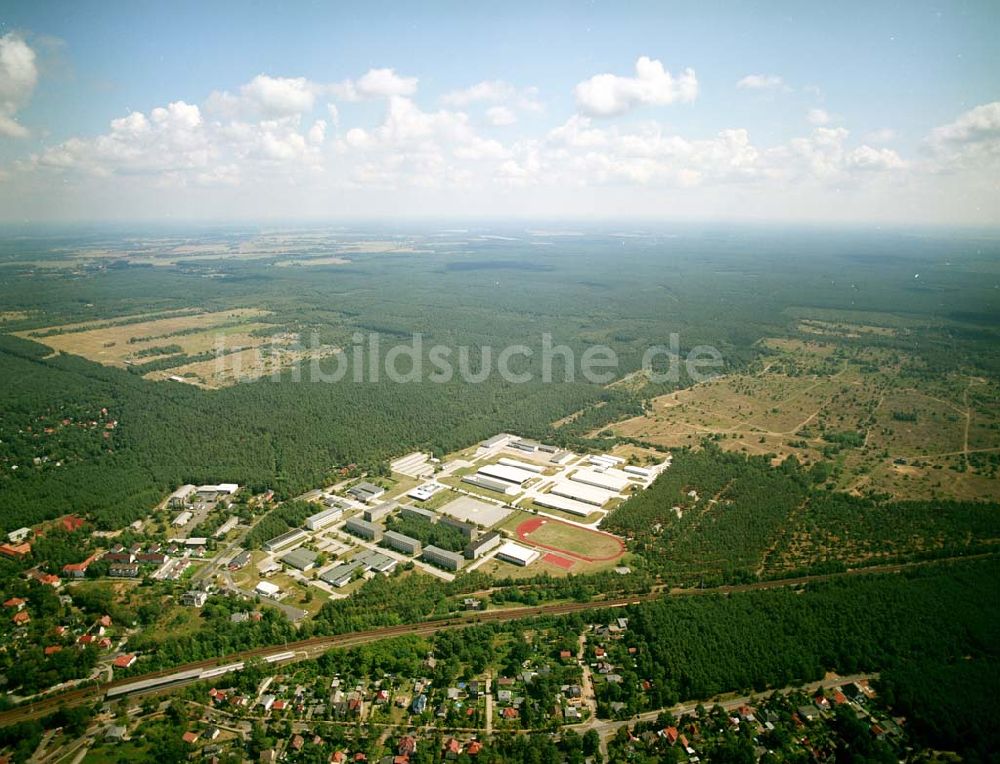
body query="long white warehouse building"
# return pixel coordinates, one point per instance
(508, 462)
(510, 474)
(600, 479)
(582, 492)
(572, 506)
(517, 554)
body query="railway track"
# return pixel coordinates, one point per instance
(306, 649)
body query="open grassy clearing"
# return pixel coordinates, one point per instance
(849, 330)
(120, 343)
(563, 537)
(867, 410)
(240, 366)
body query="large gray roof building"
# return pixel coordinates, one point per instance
(443, 558)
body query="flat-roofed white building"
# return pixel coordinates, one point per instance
(497, 441)
(416, 464)
(643, 472)
(582, 492)
(322, 519)
(227, 526)
(510, 474)
(425, 491)
(226, 488)
(16, 537)
(491, 484)
(572, 506)
(506, 461)
(181, 495)
(601, 462)
(183, 518)
(563, 457)
(600, 480)
(517, 554)
(267, 589)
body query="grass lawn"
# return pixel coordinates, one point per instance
(573, 538)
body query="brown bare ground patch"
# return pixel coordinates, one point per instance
(803, 392)
(116, 344)
(241, 366)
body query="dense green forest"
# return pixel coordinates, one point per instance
(699, 646)
(949, 704)
(717, 515)
(726, 287)
(436, 534)
(289, 515)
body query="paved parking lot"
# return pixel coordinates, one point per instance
(475, 511)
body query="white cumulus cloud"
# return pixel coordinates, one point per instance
(375, 83)
(500, 116)
(761, 82)
(818, 117)
(18, 77)
(970, 142)
(978, 125)
(606, 95)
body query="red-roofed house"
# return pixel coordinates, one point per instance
(105, 621)
(190, 737)
(473, 748)
(71, 523)
(452, 746)
(45, 579)
(86, 639)
(15, 551)
(78, 569)
(670, 735)
(21, 617)
(297, 742)
(15, 602)
(407, 746)
(124, 661)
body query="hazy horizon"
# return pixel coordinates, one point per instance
(760, 113)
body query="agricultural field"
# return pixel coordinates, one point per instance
(207, 349)
(133, 340)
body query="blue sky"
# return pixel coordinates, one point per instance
(854, 111)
